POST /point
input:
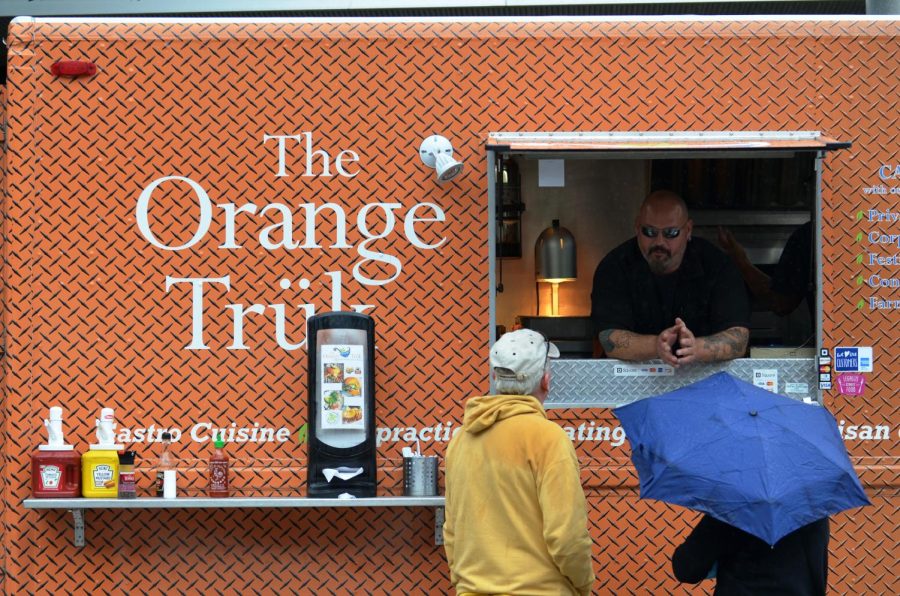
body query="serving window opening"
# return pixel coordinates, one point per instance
(755, 193)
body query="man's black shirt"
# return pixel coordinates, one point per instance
(706, 292)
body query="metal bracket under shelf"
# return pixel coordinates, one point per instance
(79, 505)
(78, 519)
(439, 526)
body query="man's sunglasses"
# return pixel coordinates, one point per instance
(668, 233)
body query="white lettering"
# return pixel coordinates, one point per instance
(281, 233)
(282, 171)
(410, 220)
(197, 304)
(238, 329)
(340, 225)
(864, 432)
(310, 154)
(381, 436)
(442, 432)
(285, 227)
(197, 429)
(230, 213)
(280, 324)
(368, 255)
(338, 163)
(143, 205)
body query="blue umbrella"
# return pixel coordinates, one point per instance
(764, 463)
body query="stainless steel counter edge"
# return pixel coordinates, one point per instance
(607, 383)
(230, 502)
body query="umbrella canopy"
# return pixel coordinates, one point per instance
(762, 462)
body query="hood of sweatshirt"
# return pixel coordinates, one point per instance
(483, 412)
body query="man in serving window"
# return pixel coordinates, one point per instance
(666, 295)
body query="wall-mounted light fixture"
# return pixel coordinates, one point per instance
(554, 261)
(437, 152)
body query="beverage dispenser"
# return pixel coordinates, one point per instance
(341, 421)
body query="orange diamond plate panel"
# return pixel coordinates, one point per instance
(214, 183)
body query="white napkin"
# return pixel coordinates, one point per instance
(343, 472)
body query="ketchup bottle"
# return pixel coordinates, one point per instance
(218, 470)
(55, 467)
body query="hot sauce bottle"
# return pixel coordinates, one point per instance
(218, 470)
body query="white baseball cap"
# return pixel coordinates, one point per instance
(521, 355)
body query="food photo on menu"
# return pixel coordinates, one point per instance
(333, 400)
(334, 372)
(352, 414)
(352, 387)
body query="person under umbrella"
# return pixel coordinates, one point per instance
(766, 469)
(745, 564)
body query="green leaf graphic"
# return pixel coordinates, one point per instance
(301, 434)
(859, 259)
(860, 304)
(859, 280)
(859, 215)
(859, 236)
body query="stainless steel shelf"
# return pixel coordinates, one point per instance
(77, 506)
(230, 502)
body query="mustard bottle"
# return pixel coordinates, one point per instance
(100, 464)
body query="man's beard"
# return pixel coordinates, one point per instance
(659, 259)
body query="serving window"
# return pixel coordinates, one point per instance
(760, 186)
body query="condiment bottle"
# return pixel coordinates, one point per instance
(218, 470)
(100, 465)
(55, 467)
(127, 488)
(165, 472)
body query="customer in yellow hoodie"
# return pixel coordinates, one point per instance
(516, 519)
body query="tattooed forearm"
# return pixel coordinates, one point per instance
(615, 339)
(725, 345)
(606, 340)
(626, 345)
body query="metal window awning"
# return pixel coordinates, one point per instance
(662, 141)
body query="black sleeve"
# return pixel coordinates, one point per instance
(730, 301)
(794, 270)
(610, 306)
(706, 544)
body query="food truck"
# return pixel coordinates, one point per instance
(180, 196)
